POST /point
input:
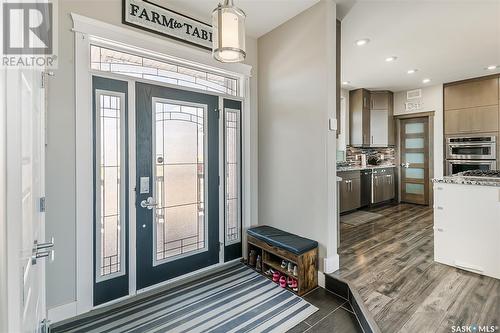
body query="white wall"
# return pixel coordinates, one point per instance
(432, 100)
(3, 208)
(296, 150)
(61, 159)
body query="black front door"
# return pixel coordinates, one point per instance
(177, 183)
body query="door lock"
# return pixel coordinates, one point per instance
(148, 203)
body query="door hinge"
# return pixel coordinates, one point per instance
(43, 205)
(44, 326)
(221, 246)
(217, 111)
(44, 75)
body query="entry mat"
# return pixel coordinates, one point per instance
(236, 299)
(359, 217)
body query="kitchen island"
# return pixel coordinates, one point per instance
(467, 221)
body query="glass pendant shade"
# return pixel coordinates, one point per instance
(228, 33)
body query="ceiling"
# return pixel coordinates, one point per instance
(445, 40)
(262, 15)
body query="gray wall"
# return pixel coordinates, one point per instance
(61, 159)
(296, 151)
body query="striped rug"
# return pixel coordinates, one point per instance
(236, 299)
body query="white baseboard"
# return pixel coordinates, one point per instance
(331, 264)
(321, 279)
(62, 312)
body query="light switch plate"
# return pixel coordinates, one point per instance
(144, 185)
(332, 123)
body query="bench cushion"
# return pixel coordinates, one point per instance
(282, 239)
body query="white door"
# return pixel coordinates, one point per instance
(25, 147)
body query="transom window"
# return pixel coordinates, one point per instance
(115, 61)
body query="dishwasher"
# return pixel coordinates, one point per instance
(366, 187)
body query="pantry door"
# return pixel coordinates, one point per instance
(415, 160)
(177, 183)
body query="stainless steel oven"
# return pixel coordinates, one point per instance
(456, 166)
(471, 148)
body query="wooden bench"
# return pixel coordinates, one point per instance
(274, 245)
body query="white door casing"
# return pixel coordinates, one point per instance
(25, 147)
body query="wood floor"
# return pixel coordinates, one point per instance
(390, 263)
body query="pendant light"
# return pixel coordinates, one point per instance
(228, 37)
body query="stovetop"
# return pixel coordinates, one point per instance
(481, 173)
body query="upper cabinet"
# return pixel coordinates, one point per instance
(381, 119)
(359, 117)
(371, 118)
(471, 94)
(472, 106)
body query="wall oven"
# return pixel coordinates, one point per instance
(471, 148)
(456, 166)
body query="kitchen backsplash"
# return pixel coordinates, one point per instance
(387, 155)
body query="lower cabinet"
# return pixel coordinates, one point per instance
(350, 191)
(383, 187)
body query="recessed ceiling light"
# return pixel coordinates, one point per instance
(426, 80)
(361, 42)
(492, 67)
(346, 82)
(390, 59)
(412, 71)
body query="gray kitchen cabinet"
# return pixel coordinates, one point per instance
(381, 119)
(371, 118)
(383, 188)
(350, 191)
(359, 117)
(379, 100)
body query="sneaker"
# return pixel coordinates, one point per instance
(283, 264)
(283, 281)
(276, 276)
(269, 272)
(295, 285)
(289, 282)
(290, 267)
(295, 271)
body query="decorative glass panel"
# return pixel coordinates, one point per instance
(108, 60)
(179, 173)
(109, 192)
(232, 170)
(414, 157)
(415, 173)
(415, 143)
(413, 128)
(414, 188)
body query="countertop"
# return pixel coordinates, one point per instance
(368, 167)
(458, 179)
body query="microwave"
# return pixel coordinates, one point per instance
(471, 148)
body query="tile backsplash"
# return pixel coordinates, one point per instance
(387, 155)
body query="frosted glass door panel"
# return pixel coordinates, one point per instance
(179, 155)
(414, 128)
(416, 143)
(415, 173)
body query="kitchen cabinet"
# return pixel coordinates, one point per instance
(383, 188)
(381, 119)
(371, 118)
(482, 119)
(472, 93)
(359, 117)
(457, 241)
(379, 100)
(350, 191)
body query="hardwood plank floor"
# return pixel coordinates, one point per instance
(390, 261)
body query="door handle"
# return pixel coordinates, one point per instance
(43, 250)
(149, 203)
(405, 165)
